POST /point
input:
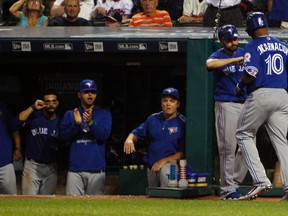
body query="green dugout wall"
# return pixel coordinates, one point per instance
(200, 110)
(199, 106)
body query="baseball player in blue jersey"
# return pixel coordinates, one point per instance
(86, 128)
(226, 65)
(40, 127)
(8, 134)
(165, 133)
(265, 78)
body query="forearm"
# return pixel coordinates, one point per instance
(129, 146)
(217, 63)
(57, 11)
(17, 140)
(132, 137)
(177, 156)
(24, 115)
(16, 6)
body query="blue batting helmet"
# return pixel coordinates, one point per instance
(255, 21)
(227, 32)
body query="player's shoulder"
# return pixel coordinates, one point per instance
(69, 112)
(279, 41)
(182, 117)
(102, 110)
(217, 54)
(240, 51)
(155, 115)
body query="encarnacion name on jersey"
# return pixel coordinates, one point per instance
(272, 47)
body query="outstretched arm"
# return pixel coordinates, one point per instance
(24, 115)
(217, 63)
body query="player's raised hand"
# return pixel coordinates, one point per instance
(39, 104)
(87, 115)
(77, 116)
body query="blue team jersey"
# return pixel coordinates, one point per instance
(7, 127)
(87, 150)
(265, 59)
(164, 137)
(227, 77)
(41, 137)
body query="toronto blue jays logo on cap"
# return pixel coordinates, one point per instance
(87, 85)
(171, 92)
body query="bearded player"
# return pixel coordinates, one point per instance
(226, 66)
(40, 127)
(87, 129)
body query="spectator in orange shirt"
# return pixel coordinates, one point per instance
(151, 17)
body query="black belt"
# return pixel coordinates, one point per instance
(97, 171)
(37, 161)
(93, 171)
(241, 102)
(224, 9)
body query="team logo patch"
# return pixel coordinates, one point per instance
(251, 70)
(260, 21)
(172, 130)
(229, 69)
(247, 57)
(89, 84)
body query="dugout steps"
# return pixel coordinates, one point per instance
(207, 191)
(178, 192)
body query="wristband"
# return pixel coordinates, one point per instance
(18, 148)
(90, 123)
(33, 107)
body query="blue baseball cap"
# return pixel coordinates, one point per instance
(87, 85)
(171, 92)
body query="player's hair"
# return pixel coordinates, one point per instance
(50, 92)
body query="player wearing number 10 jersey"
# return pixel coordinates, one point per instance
(265, 76)
(265, 58)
